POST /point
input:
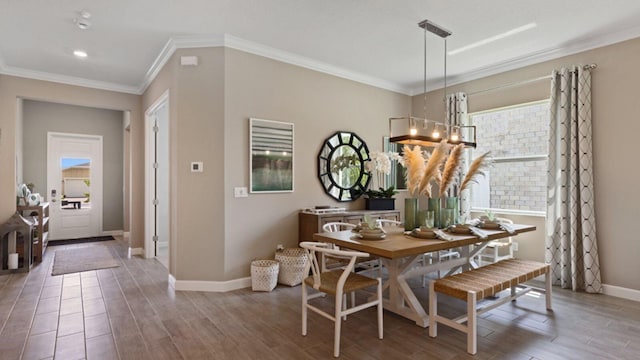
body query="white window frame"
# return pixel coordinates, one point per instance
(507, 159)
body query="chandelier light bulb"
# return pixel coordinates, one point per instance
(413, 131)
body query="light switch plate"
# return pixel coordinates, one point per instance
(197, 166)
(240, 192)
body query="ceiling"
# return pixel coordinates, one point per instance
(377, 42)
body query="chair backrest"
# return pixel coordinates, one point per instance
(316, 252)
(507, 240)
(337, 226)
(387, 222)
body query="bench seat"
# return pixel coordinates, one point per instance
(477, 284)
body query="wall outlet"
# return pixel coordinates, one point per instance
(279, 247)
(240, 192)
(515, 245)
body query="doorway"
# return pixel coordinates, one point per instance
(74, 185)
(157, 222)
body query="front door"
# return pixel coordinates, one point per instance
(74, 185)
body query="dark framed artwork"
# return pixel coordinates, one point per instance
(271, 156)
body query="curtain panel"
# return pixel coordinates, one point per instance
(571, 244)
(456, 115)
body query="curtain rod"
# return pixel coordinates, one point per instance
(524, 82)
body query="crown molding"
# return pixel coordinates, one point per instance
(69, 80)
(236, 43)
(301, 61)
(538, 57)
(173, 44)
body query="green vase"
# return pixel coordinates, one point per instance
(451, 202)
(433, 204)
(410, 214)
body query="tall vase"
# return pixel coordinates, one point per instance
(433, 204)
(451, 202)
(410, 214)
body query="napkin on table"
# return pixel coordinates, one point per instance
(443, 235)
(508, 228)
(477, 232)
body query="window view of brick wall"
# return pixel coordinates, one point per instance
(515, 182)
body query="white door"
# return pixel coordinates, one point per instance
(157, 180)
(74, 185)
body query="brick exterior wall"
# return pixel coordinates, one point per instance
(517, 131)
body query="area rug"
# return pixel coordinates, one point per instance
(80, 241)
(82, 259)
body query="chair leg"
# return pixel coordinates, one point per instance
(344, 306)
(472, 326)
(433, 310)
(380, 327)
(304, 309)
(337, 324)
(547, 293)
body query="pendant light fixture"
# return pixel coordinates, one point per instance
(410, 130)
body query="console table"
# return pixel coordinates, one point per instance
(40, 216)
(310, 223)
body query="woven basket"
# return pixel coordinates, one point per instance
(264, 275)
(292, 265)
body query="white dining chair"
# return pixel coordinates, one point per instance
(497, 250)
(370, 264)
(387, 222)
(337, 283)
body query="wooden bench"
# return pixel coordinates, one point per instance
(477, 284)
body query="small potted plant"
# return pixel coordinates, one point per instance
(380, 165)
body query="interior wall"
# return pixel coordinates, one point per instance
(196, 120)
(13, 88)
(40, 117)
(614, 90)
(318, 105)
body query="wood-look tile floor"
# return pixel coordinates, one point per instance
(129, 312)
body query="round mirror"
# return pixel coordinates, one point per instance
(341, 166)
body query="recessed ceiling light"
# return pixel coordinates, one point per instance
(80, 53)
(493, 38)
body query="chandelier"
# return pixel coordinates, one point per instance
(411, 130)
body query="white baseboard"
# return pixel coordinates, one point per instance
(625, 293)
(113, 233)
(126, 234)
(209, 286)
(135, 251)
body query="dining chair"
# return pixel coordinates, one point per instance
(492, 252)
(370, 264)
(338, 283)
(387, 222)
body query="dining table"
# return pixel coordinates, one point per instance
(402, 254)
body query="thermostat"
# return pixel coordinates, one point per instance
(197, 166)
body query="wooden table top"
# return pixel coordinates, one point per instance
(397, 245)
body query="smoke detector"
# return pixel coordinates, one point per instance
(82, 20)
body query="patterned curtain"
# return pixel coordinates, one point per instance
(571, 246)
(456, 115)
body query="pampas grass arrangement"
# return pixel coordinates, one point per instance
(414, 162)
(432, 169)
(478, 168)
(451, 168)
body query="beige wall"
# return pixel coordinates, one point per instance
(318, 105)
(214, 235)
(40, 117)
(196, 123)
(615, 126)
(14, 88)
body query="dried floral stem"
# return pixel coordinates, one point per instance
(476, 169)
(432, 168)
(451, 168)
(414, 162)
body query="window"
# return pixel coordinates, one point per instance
(517, 137)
